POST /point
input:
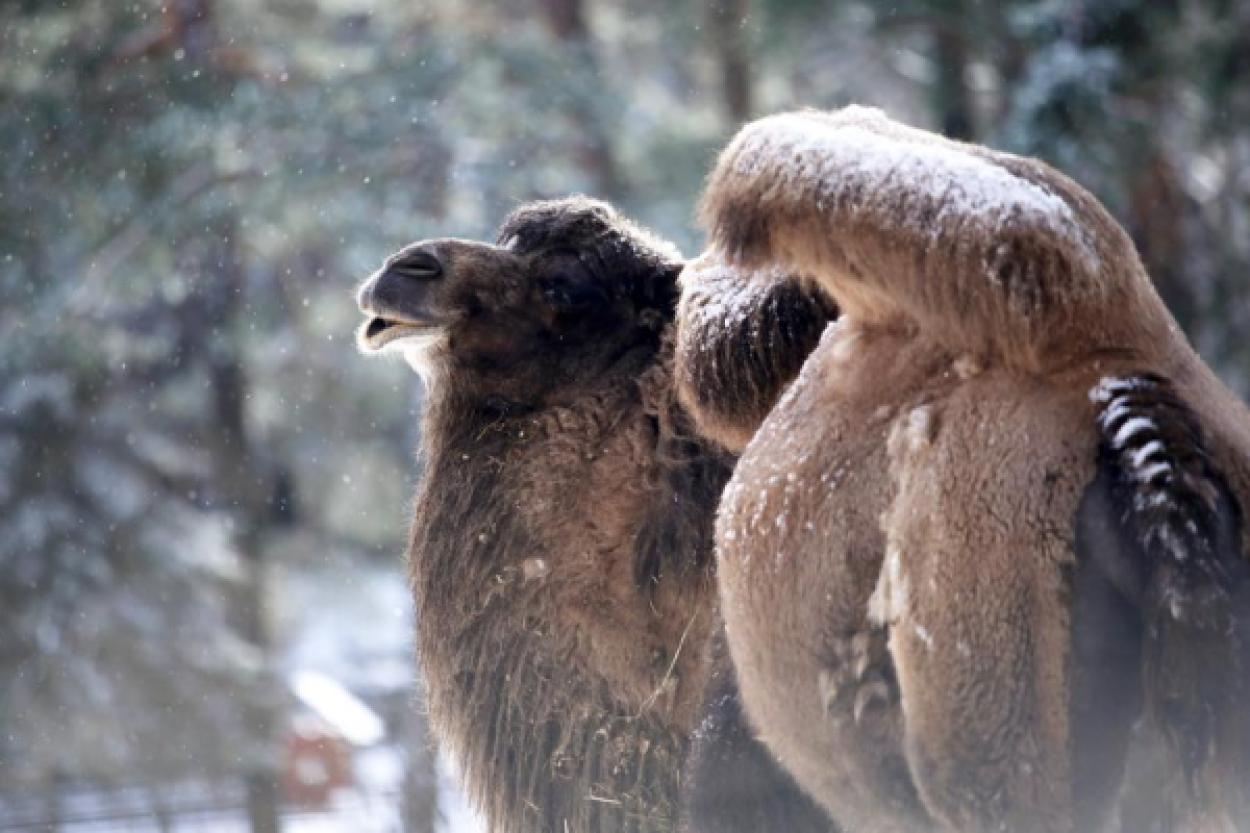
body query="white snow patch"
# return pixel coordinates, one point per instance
(1131, 427)
(889, 598)
(1109, 387)
(913, 433)
(846, 344)
(1113, 413)
(720, 297)
(849, 160)
(1150, 472)
(1139, 457)
(1155, 500)
(337, 706)
(967, 366)
(921, 426)
(925, 637)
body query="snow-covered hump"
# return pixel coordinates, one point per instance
(719, 297)
(846, 158)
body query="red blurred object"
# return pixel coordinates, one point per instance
(316, 761)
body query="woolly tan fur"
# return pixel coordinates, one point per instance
(905, 591)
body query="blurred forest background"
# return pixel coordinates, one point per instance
(204, 489)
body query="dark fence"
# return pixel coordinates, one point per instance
(189, 808)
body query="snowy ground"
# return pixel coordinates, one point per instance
(338, 621)
(457, 816)
(367, 810)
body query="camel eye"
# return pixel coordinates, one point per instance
(570, 288)
(567, 295)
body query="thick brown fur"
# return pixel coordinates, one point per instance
(922, 552)
(561, 542)
(740, 345)
(735, 357)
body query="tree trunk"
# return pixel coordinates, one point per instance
(728, 32)
(420, 792)
(52, 804)
(952, 97)
(419, 802)
(1159, 212)
(249, 485)
(566, 20)
(161, 813)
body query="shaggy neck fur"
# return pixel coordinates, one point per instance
(560, 559)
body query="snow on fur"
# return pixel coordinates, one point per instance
(852, 162)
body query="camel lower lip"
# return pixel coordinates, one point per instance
(378, 332)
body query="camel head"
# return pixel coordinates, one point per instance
(569, 289)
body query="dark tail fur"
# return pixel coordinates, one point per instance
(1170, 541)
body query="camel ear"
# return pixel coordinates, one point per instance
(660, 290)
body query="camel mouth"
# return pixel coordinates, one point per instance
(379, 332)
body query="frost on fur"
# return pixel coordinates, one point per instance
(989, 252)
(851, 158)
(742, 338)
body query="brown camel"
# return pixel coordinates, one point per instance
(561, 545)
(997, 517)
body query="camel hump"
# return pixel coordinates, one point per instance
(985, 251)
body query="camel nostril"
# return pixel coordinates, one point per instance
(375, 327)
(418, 266)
